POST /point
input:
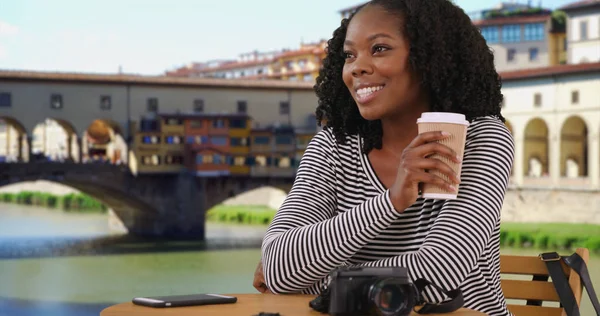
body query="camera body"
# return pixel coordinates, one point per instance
(385, 291)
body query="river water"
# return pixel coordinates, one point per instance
(54, 263)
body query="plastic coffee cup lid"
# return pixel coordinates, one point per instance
(439, 196)
(443, 117)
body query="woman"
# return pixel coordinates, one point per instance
(355, 197)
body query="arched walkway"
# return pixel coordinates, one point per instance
(55, 140)
(14, 144)
(103, 141)
(535, 158)
(574, 148)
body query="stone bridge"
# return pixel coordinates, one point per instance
(165, 205)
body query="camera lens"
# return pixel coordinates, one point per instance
(390, 298)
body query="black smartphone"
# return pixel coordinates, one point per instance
(184, 300)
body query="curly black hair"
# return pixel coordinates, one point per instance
(454, 62)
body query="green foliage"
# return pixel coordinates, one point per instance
(550, 235)
(259, 215)
(70, 202)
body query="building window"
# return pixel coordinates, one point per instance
(284, 140)
(239, 161)
(308, 78)
(56, 101)
(207, 158)
(217, 159)
(284, 162)
(151, 160)
(237, 123)
(199, 106)
(537, 99)
(511, 33)
(196, 124)
(511, 54)
(150, 139)
(575, 97)
(533, 54)
(152, 105)
(149, 126)
(583, 30)
(174, 139)
(174, 160)
(261, 161)
(239, 141)
(284, 108)
(490, 33)
(534, 32)
(261, 140)
(218, 140)
(242, 107)
(5, 100)
(219, 123)
(105, 102)
(173, 121)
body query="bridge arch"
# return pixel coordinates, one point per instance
(574, 148)
(536, 148)
(55, 139)
(14, 140)
(104, 183)
(104, 141)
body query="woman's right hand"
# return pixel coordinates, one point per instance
(413, 165)
(259, 279)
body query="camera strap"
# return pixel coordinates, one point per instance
(456, 299)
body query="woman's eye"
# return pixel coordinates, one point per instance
(379, 49)
(347, 55)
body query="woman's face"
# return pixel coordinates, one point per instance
(377, 70)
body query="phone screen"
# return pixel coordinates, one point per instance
(184, 300)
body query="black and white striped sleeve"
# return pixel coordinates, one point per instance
(464, 226)
(305, 241)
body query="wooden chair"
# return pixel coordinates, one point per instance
(536, 290)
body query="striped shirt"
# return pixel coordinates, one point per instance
(339, 213)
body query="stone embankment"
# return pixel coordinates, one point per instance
(519, 206)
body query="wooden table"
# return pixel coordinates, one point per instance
(246, 305)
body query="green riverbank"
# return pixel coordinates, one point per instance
(516, 235)
(72, 202)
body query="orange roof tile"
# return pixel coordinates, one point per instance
(584, 4)
(550, 71)
(151, 80)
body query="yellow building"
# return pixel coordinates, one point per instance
(557, 49)
(239, 144)
(158, 145)
(299, 65)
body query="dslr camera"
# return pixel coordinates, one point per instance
(383, 291)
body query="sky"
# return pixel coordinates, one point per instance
(149, 37)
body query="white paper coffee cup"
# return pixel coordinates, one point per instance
(455, 124)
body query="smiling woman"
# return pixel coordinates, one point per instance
(355, 200)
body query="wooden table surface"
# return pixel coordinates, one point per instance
(246, 305)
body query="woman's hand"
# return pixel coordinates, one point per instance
(413, 165)
(259, 279)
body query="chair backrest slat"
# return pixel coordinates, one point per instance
(519, 310)
(525, 265)
(529, 290)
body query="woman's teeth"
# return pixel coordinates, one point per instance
(363, 92)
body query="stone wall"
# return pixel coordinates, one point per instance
(551, 206)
